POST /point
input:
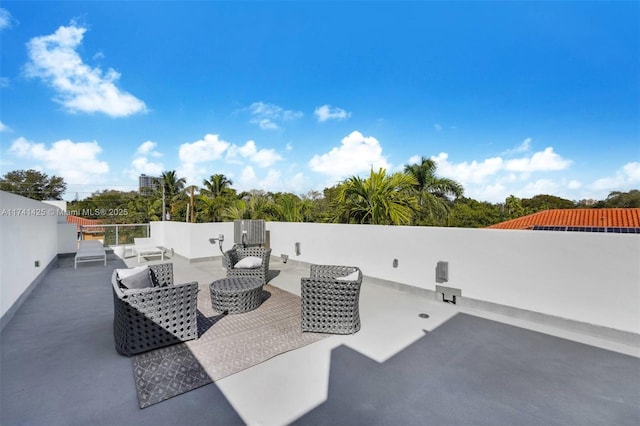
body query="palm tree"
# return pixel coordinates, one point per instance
(236, 210)
(261, 206)
(514, 207)
(217, 185)
(215, 196)
(171, 187)
(380, 199)
(289, 207)
(433, 192)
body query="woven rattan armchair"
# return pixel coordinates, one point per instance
(233, 256)
(330, 305)
(154, 317)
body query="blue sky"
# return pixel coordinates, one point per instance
(510, 98)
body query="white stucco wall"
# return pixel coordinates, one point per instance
(191, 240)
(28, 233)
(67, 238)
(588, 277)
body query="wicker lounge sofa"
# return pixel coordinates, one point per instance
(330, 299)
(153, 317)
(252, 267)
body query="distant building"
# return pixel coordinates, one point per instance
(613, 220)
(87, 229)
(147, 183)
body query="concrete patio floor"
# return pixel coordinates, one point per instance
(59, 365)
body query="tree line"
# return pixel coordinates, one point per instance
(415, 196)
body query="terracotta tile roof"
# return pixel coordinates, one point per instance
(621, 218)
(81, 221)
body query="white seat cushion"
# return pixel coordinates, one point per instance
(249, 262)
(123, 273)
(351, 277)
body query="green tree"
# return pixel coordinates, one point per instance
(213, 209)
(254, 204)
(216, 195)
(314, 206)
(261, 206)
(380, 199)
(433, 192)
(235, 210)
(33, 184)
(621, 199)
(216, 185)
(173, 187)
(469, 213)
(546, 202)
(290, 207)
(143, 209)
(513, 207)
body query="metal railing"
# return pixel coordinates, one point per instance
(115, 234)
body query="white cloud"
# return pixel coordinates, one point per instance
(474, 172)
(540, 161)
(76, 162)
(4, 82)
(267, 115)
(142, 165)
(192, 154)
(193, 173)
(265, 123)
(298, 183)
(414, 159)
(248, 178)
(356, 154)
(327, 112)
(79, 88)
(210, 148)
(6, 19)
(540, 186)
(497, 169)
(625, 179)
(525, 146)
(574, 184)
(262, 157)
(438, 127)
(494, 179)
(271, 180)
(494, 192)
(4, 127)
(148, 148)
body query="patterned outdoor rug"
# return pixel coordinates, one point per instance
(226, 345)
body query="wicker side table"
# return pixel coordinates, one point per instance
(236, 295)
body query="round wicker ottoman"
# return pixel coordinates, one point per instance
(236, 295)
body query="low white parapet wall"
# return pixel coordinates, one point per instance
(592, 278)
(191, 240)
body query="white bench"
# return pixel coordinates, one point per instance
(145, 247)
(90, 251)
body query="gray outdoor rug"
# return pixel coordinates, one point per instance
(226, 345)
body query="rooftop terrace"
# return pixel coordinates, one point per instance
(546, 331)
(459, 366)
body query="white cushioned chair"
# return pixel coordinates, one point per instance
(248, 262)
